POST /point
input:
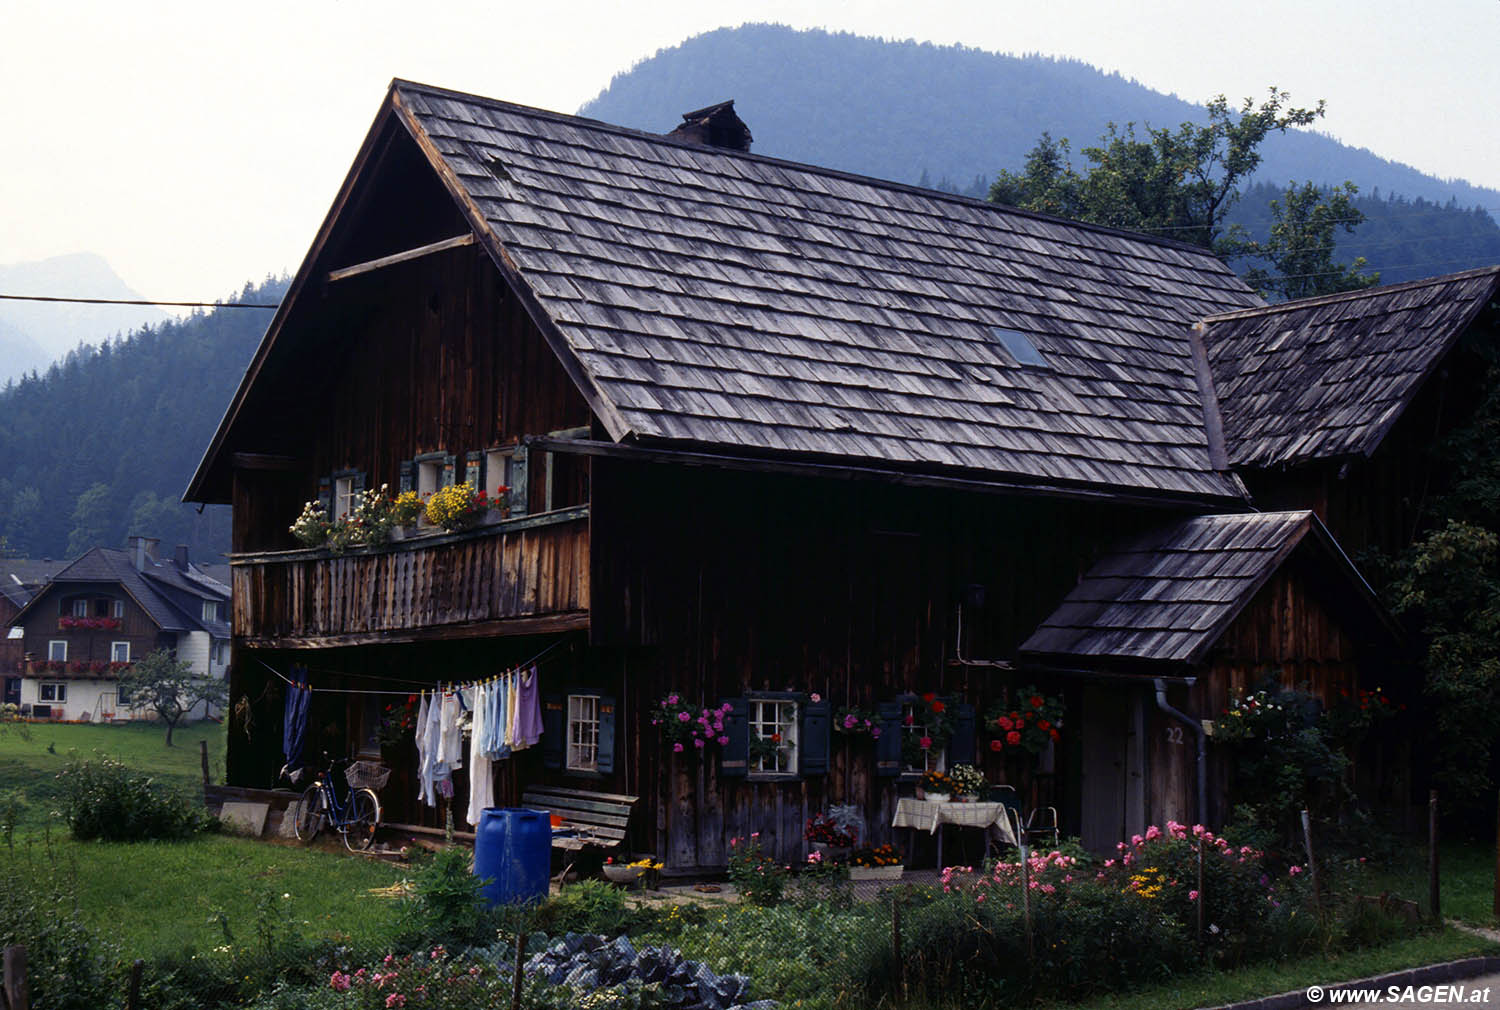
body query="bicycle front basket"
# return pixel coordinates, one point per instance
(367, 775)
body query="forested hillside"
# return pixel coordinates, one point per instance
(953, 117)
(102, 444)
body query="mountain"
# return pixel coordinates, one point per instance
(33, 334)
(101, 444)
(918, 112)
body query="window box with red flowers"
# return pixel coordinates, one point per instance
(70, 623)
(1028, 723)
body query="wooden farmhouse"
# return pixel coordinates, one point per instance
(101, 613)
(796, 442)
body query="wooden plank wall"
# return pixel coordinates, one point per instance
(480, 576)
(716, 583)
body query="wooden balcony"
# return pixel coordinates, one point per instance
(521, 576)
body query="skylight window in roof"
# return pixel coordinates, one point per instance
(1020, 346)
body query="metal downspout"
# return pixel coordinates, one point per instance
(1197, 728)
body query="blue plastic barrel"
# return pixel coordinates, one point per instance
(513, 850)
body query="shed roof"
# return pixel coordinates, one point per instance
(704, 296)
(1323, 378)
(1168, 595)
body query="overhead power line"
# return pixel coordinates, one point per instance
(140, 301)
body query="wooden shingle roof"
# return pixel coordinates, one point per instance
(713, 297)
(1168, 595)
(1323, 378)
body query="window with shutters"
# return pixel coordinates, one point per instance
(343, 496)
(429, 473)
(583, 732)
(931, 760)
(773, 734)
(499, 471)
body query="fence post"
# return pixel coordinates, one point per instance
(203, 758)
(1432, 856)
(1312, 866)
(133, 994)
(1497, 857)
(896, 945)
(15, 978)
(515, 992)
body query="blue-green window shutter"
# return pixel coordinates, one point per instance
(325, 494)
(450, 468)
(888, 747)
(471, 471)
(554, 728)
(406, 476)
(813, 738)
(961, 743)
(357, 484)
(606, 735)
(518, 500)
(735, 761)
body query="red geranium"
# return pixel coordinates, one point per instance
(1012, 738)
(938, 706)
(1037, 701)
(996, 745)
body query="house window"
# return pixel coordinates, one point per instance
(499, 471)
(117, 608)
(343, 497)
(773, 737)
(119, 652)
(57, 651)
(429, 475)
(932, 760)
(211, 610)
(583, 732)
(80, 607)
(54, 692)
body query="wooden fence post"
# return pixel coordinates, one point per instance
(133, 994)
(1312, 866)
(15, 978)
(1432, 857)
(203, 757)
(515, 993)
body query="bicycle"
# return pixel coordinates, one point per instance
(355, 815)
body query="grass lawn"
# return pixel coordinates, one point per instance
(164, 897)
(1467, 885)
(1219, 988)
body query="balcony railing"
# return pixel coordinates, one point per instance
(523, 575)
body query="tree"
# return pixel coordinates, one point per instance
(1301, 244)
(1179, 183)
(160, 682)
(92, 516)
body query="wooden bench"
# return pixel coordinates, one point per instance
(590, 820)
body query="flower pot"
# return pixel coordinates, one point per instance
(831, 853)
(876, 872)
(622, 874)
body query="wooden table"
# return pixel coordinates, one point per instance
(934, 817)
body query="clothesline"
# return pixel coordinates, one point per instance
(445, 686)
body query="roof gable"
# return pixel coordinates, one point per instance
(1323, 378)
(114, 567)
(699, 296)
(1168, 595)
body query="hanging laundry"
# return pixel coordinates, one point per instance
(528, 710)
(497, 703)
(428, 731)
(512, 697)
(481, 770)
(294, 728)
(451, 738)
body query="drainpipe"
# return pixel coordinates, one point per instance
(1197, 728)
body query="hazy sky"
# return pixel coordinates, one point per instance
(196, 145)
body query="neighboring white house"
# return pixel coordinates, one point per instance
(105, 611)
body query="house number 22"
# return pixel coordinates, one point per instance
(1174, 734)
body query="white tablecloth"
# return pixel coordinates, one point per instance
(929, 816)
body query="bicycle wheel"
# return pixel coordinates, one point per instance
(364, 815)
(312, 812)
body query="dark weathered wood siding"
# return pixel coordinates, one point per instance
(87, 645)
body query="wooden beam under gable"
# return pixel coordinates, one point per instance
(370, 266)
(614, 422)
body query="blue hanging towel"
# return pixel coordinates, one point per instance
(294, 726)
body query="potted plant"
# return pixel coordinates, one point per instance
(629, 873)
(935, 787)
(828, 837)
(457, 507)
(880, 862)
(686, 728)
(969, 783)
(311, 528)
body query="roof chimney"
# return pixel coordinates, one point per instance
(180, 557)
(142, 549)
(714, 126)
